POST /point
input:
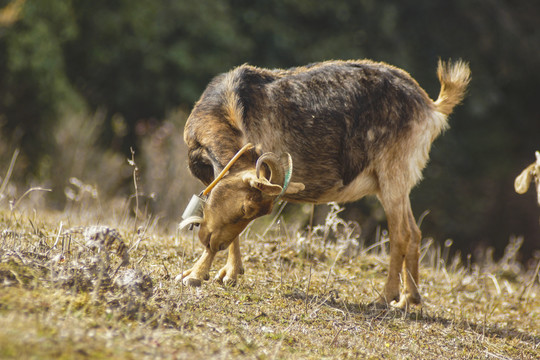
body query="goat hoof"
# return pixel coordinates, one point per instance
(385, 301)
(225, 279)
(405, 301)
(228, 275)
(402, 304)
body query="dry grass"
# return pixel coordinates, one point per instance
(64, 294)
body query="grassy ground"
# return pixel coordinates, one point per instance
(64, 293)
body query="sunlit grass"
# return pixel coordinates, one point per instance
(303, 296)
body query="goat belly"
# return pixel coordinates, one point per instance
(363, 185)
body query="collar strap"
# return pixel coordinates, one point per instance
(223, 172)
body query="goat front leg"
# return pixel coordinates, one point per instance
(200, 271)
(229, 273)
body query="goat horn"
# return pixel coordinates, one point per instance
(189, 221)
(276, 167)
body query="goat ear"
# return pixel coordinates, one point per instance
(262, 184)
(294, 188)
(521, 184)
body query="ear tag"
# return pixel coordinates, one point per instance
(194, 208)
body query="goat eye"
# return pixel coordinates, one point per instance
(243, 210)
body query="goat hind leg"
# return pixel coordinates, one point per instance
(410, 295)
(399, 238)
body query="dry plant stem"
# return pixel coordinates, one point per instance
(422, 217)
(135, 173)
(278, 214)
(182, 271)
(308, 254)
(311, 224)
(193, 242)
(8, 173)
(307, 287)
(424, 250)
(531, 282)
(285, 230)
(335, 337)
(26, 193)
(331, 268)
(57, 238)
(280, 259)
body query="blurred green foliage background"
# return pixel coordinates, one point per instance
(82, 81)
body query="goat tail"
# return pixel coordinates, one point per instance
(454, 78)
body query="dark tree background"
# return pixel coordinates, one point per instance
(137, 60)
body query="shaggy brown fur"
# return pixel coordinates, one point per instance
(353, 128)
